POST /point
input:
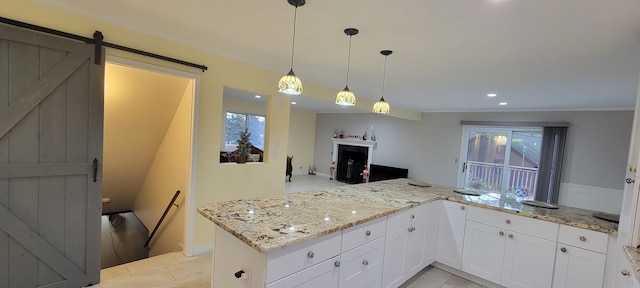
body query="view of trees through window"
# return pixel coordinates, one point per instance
(237, 122)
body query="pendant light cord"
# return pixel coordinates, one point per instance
(293, 42)
(384, 75)
(348, 62)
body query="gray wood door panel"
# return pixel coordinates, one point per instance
(51, 112)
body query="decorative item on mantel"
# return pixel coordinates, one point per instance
(342, 133)
(335, 133)
(364, 136)
(373, 135)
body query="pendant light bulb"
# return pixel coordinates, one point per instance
(382, 106)
(346, 97)
(290, 84)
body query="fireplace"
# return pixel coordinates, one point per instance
(351, 156)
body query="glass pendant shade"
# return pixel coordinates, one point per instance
(290, 84)
(381, 107)
(346, 97)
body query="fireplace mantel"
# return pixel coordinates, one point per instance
(354, 142)
(370, 145)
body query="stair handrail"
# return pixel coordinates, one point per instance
(175, 196)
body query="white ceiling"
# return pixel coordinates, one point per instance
(535, 54)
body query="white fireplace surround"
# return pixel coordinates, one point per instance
(371, 145)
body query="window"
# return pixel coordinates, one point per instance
(501, 162)
(237, 122)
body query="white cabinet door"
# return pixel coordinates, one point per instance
(576, 267)
(394, 251)
(528, 261)
(431, 240)
(451, 224)
(321, 275)
(623, 277)
(415, 247)
(483, 251)
(362, 266)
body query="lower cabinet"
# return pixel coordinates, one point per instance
(451, 233)
(362, 266)
(580, 258)
(405, 245)
(322, 275)
(505, 255)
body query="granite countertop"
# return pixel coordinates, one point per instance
(270, 224)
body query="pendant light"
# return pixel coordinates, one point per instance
(346, 97)
(290, 84)
(382, 106)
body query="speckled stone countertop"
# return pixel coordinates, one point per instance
(633, 255)
(270, 224)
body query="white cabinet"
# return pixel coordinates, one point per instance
(501, 248)
(322, 275)
(405, 245)
(580, 258)
(623, 277)
(362, 266)
(451, 223)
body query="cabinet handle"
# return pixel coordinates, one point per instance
(462, 207)
(511, 236)
(365, 262)
(501, 233)
(239, 274)
(629, 181)
(412, 216)
(310, 254)
(625, 272)
(507, 221)
(368, 233)
(337, 263)
(564, 250)
(411, 229)
(632, 169)
(582, 238)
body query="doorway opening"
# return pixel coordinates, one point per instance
(149, 118)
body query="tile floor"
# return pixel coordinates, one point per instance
(173, 270)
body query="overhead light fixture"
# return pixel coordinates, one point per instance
(290, 84)
(346, 97)
(382, 106)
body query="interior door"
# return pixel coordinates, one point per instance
(51, 106)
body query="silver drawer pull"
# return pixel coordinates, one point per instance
(462, 207)
(507, 221)
(411, 229)
(501, 233)
(368, 233)
(511, 236)
(625, 272)
(582, 238)
(365, 262)
(310, 254)
(412, 216)
(564, 250)
(337, 263)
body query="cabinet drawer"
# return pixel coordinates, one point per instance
(583, 238)
(404, 219)
(295, 258)
(362, 266)
(363, 233)
(521, 224)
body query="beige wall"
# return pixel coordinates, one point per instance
(302, 132)
(168, 173)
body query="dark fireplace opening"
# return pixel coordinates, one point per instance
(351, 162)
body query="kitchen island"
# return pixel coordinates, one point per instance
(258, 230)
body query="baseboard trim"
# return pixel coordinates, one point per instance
(465, 275)
(202, 249)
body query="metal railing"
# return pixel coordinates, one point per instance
(489, 177)
(171, 203)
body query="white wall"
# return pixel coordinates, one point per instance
(302, 126)
(168, 173)
(595, 156)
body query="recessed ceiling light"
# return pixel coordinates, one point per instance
(503, 103)
(492, 95)
(258, 96)
(293, 103)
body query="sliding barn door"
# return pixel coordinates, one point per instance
(51, 107)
